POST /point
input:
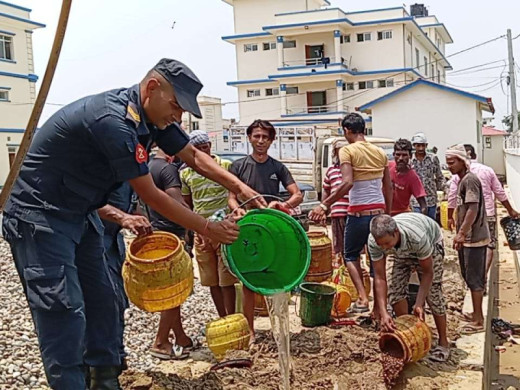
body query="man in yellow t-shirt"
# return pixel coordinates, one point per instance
(365, 174)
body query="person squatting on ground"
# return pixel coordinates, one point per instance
(205, 197)
(165, 174)
(428, 168)
(491, 189)
(364, 170)
(405, 181)
(398, 246)
(338, 211)
(263, 173)
(75, 160)
(472, 238)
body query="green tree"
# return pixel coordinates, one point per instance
(508, 122)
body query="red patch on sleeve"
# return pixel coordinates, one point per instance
(141, 155)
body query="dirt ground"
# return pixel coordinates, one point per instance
(322, 358)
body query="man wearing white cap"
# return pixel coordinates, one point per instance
(428, 168)
(472, 236)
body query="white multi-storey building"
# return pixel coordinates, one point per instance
(17, 79)
(302, 61)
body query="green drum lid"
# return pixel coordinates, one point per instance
(272, 253)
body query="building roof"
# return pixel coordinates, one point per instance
(486, 103)
(490, 131)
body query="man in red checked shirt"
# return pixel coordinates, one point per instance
(405, 181)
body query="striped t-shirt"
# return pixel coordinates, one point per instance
(331, 182)
(207, 196)
(419, 235)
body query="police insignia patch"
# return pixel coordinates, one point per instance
(141, 155)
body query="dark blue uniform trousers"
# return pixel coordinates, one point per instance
(115, 257)
(71, 297)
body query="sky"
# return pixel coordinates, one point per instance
(113, 43)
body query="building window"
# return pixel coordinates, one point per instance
(389, 83)
(364, 37)
(348, 86)
(272, 91)
(250, 47)
(195, 125)
(417, 56)
(439, 76)
(425, 66)
(269, 45)
(488, 142)
(381, 83)
(370, 84)
(289, 44)
(291, 90)
(4, 96)
(366, 84)
(345, 38)
(6, 47)
(433, 71)
(384, 35)
(253, 92)
(409, 38)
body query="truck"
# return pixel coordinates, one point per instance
(306, 151)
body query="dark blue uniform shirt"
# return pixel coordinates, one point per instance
(83, 152)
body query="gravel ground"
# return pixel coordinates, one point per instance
(20, 362)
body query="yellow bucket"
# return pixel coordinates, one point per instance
(228, 333)
(444, 215)
(341, 276)
(412, 339)
(341, 301)
(158, 273)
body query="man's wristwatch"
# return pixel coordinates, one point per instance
(324, 207)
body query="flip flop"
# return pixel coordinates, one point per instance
(439, 354)
(471, 329)
(177, 353)
(355, 309)
(194, 345)
(468, 317)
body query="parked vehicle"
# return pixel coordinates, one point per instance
(310, 195)
(306, 151)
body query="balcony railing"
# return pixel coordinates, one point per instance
(314, 61)
(316, 109)
(512, 144)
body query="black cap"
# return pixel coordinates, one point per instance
(185, 84)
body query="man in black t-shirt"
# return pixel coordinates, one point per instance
(264, 174)
(165, 174)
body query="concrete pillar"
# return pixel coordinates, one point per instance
(283, 99)
(339, 95)
(337, 46)
(279, 49)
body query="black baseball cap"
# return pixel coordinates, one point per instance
(185, 84)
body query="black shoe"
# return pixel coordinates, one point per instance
(105, 378)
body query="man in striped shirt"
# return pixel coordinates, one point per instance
(338, 211)
(206, 197)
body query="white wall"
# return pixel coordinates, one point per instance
(374, 54)
(446, 118)
(513, 175)
(252, 15)
(494, 156)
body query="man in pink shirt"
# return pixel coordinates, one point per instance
(405, 181)
(491, 188)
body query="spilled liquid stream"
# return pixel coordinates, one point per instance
(278, 307)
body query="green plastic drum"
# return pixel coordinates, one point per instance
(272, 253)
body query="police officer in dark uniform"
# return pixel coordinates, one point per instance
(122, 204)
(82, 153)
